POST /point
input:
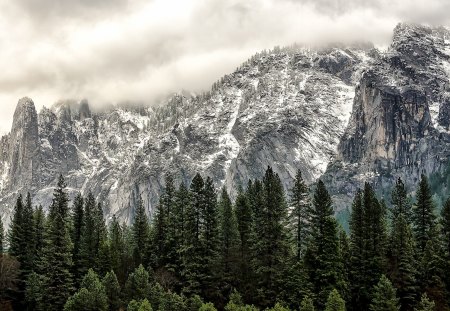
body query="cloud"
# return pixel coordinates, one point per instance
(116, 50)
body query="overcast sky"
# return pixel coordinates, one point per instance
(114, 50)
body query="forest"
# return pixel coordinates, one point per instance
(268, 249)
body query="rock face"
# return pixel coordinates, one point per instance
(23, 162)
(345, 114)
(400, 124)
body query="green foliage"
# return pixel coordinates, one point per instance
(207, 307)
(91, 296)
(384, 296)
(425, 304)
(335, 302)
(140, 231)
(278, 307)
(76, 235)
(138, 284)
(322, 256)
(271, 246)
(142, 305)
(112, 291)
(423, 215)
(2, 235)
(57, 253)
(307, 304)
(300, 215)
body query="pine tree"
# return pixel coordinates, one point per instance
(425, 304)
(229, 239)
(400, 202)
(384, 296)
(102, 252)
(210, 242)
(57, 261)
(335, 302)
(307, 304)
(39, 237)
(88, 243)
(28, 251)
(272, 245)
(375, 237)
(140, 232)
(91, 296)
(300, 214)
(345, 265)
(138, 284)
(112, 291)
(77, 234)
(403, 271)
(191, 250)
(423, 215)
(445, 236)
(322, 256)
(16, 243)
(117, 246)
(244, 219)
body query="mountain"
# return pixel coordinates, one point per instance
(346, 114)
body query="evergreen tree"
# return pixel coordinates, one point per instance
(403, 271)
(28, 251)
(57, 261)
(307, 304)
(142, 305)
(91, 296)
(102, 262)
(445, 236)
(77, 234)
(300, 214)
(191, 250)
(117, 253)
(112, 291)
(400, 202)
(88, 248)
(425, 304)
(271, 246)
(345, 265)
(39, 237)
(210, 242)
(229, 239)
(375, 238)
(322, 256)
(140, 232)
(384, 296)
(335, 302)
(244, 219)
(34, 292)
(138, 284)
(423, 215)
(16, 240)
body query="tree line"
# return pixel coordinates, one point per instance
(267, 250)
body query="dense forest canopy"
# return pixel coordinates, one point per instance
(267, 250)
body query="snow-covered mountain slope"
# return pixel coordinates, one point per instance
(345, 114)
(287, 108)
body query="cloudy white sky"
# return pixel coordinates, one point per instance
(114, 50)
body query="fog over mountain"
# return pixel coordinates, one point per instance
(112, 51)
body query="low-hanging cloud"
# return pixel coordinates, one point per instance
(134, 50)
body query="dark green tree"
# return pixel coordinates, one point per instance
(88, 244)
(401, 204)
(191, 250)
(229, 241)
(424, 219)
(243, 211)
(300, 214)
(322, 256)
(384, 296)
(112, 291)
(138, 284)
(1, 237)
(39, 237)
(425, 304)
(57, 261)
(140, 230)
(271, 247)
(445, 236)
(16, 240)
(117, 245)
(335, 302)
(76, 235)
(90, 297)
